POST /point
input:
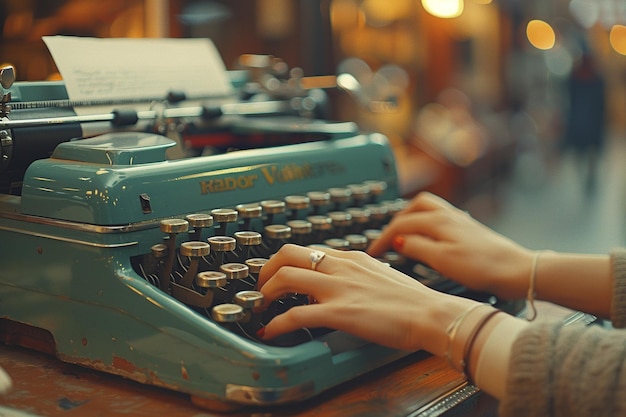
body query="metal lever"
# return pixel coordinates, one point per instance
(7, 78)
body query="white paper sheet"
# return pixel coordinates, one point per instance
(138, 68)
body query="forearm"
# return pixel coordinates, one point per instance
(580, 282)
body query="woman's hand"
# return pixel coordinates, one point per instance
(360, 295)
(449, 240)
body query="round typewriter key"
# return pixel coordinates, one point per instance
(372, 234)
(224, 215)
(195, 249)
(249, 211)
(273, 206)
(340, 218)
(359, 215)
(377, 187)
(360, 192)
(174, 225)
(297, 202)
(211, 279)
(222, 243)
(394, 206)
(378, 212)
(235, 270)
(300, 227)
(320, 222)
(337, 243)
(319, 198)
(339, 194)
(357, 242)
(247, 238)
(249, 299)
(159, 250)
(394, 259)
(227, 313)
(278, 231)
(199, 220)
(255, 264)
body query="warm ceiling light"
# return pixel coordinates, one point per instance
(443, 8)
(540, 34)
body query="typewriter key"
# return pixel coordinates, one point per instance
(211, 279)
(297, 205)
(272, 208)
(172, 227)
(246, 242)
(193, 250)
(249, 212)
(372, 234)
(220, 245)
(340, 197)
(224, 217)
(360, 193)
(199, 221)
(357, 242)
(378, 214)
(255, 264)
(159, 250)
(377, 187)
(300, 231)
(227, 313)
(337, 243)
(319, 200)
(235, 271)
(250, 299)
(360, 218)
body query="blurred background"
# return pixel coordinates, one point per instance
(512, 109)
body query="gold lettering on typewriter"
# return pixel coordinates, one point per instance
(240, 182)
(287, 173)
(273, 174)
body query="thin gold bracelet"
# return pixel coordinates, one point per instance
(456, 356)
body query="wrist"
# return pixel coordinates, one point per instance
(444, 310)
(463, 332)
(489, 357)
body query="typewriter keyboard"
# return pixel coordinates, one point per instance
(211, 261)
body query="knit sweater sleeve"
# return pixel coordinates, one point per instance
(568, 371)
(618, 270)
(572, 371)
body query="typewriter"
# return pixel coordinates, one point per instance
(118, 258)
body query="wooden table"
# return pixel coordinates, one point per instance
(44, 386)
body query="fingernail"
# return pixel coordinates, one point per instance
(260, 333)
(398, 242)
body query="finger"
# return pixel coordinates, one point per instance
(410, 223)
(288, 255)
(309, 316)
(425, 201)
(289, 279)
(427, 249)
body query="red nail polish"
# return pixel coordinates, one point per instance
(398, 242)
(260, 333)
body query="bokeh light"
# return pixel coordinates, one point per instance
(617, 39)
(444, 8)
(540, 34)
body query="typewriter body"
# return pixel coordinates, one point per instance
(117, 258)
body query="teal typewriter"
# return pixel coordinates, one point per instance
(118, 258)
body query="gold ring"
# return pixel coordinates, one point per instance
(316, 257)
